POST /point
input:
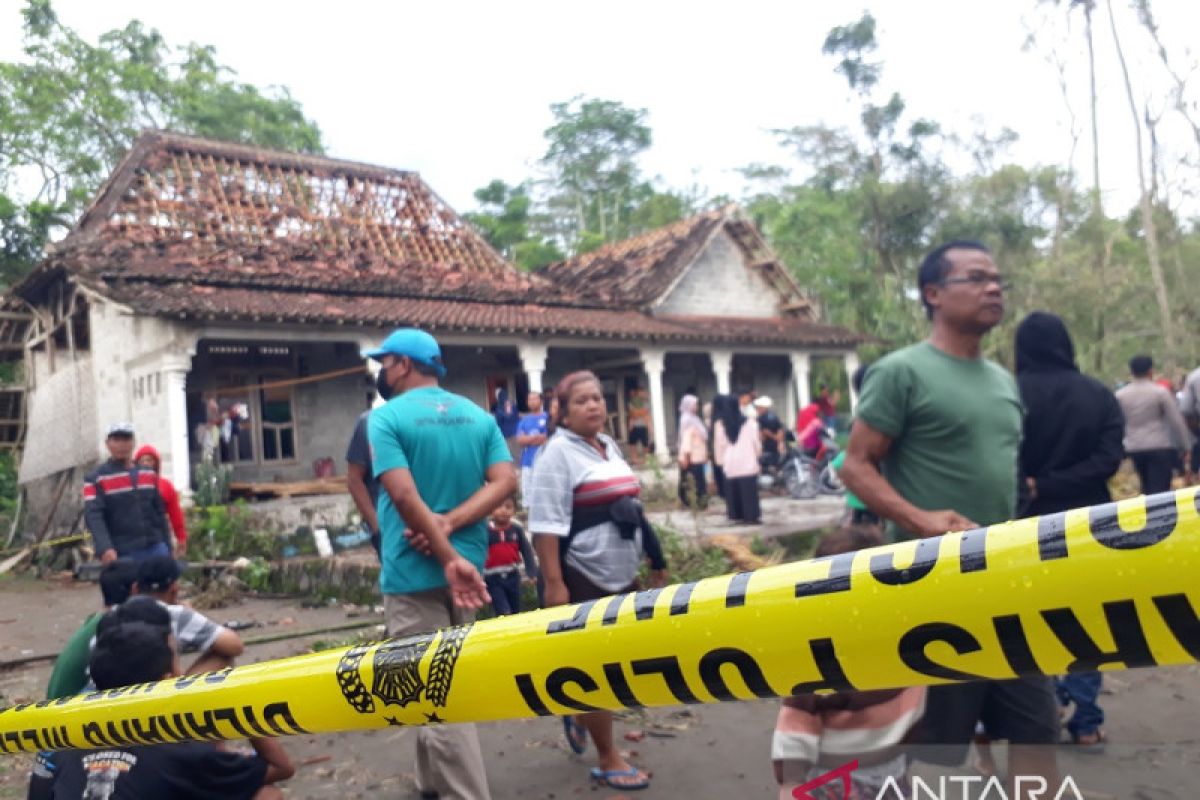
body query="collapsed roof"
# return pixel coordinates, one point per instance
(195, 229)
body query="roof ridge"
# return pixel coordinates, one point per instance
(467, 292)
(651, 235)
(266, 155)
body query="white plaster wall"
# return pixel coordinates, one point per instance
(61, 429)
(720, 283)
(127, 356)
(145, 386)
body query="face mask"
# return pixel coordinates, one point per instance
(382, 387)
(748, 411)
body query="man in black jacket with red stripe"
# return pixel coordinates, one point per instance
(121, 504)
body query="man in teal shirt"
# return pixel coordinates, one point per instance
(443, 466)
(934, 448)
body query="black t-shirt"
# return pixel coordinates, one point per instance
(169, 771)
(771, 423)
(359, 452)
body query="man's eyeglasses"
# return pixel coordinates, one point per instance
(979, 280)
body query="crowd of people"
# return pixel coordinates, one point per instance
(943, 439)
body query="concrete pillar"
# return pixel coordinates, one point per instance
(790, 409)
(851, 363)
(722, 364)
(800, 362)
(176, 464)
(533, 362)
(373, 368)
(653, 362)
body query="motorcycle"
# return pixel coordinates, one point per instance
(804, 477)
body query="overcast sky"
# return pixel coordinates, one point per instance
(459, 91)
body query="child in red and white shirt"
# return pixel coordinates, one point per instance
(508, 546)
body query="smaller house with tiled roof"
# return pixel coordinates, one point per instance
(220, 295)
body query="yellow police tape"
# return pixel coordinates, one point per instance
(77, 537)
(1108, 587)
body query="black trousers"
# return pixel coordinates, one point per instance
(692, 489)
(1154, 469)
(741, 498)
(719, 478)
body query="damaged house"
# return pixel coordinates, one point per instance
(219, 296)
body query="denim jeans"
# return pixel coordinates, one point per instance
(143, 553)
(505, 590)
(1082, 689)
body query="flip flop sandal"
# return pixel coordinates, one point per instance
(577, 736)
(606, 777)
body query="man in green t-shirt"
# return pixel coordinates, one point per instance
(444, 467)
(934, 448)
(70, 672)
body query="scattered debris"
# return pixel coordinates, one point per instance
(241, 625)
(634, 736)
(335, 485)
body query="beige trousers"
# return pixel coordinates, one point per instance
(449, 760)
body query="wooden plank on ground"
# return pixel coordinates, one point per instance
(335, 485)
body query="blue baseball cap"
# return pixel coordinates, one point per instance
(411, 343)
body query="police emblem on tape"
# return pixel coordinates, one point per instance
(396, 676)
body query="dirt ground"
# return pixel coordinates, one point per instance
(720, 751)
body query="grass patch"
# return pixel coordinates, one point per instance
(799, 546)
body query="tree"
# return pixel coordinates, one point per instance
(1099, 225)
(1186, 108)
(1146, 204)
(592, 193)
(594, 177)
(506, 220)
(71, 109)
(871, 204)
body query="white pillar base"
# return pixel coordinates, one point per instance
(800, 365)
(533, 362)
(851, 363)
(653, 362)
(175, 458)
(722, 364)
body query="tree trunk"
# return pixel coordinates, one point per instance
(1171, 237)
(1097, 206)
(1097, 202)
(1146, 203)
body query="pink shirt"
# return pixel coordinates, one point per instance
(739, 459)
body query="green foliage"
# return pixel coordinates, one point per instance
(228, 532)
(506, 219)
(256, 575)
(24, 230)
(592, 153)
(212, 483)
(321, 645)
(70, 108)
(686, 560)
(8, 482)
(9, 491)
(852, 43)
(593, 192)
